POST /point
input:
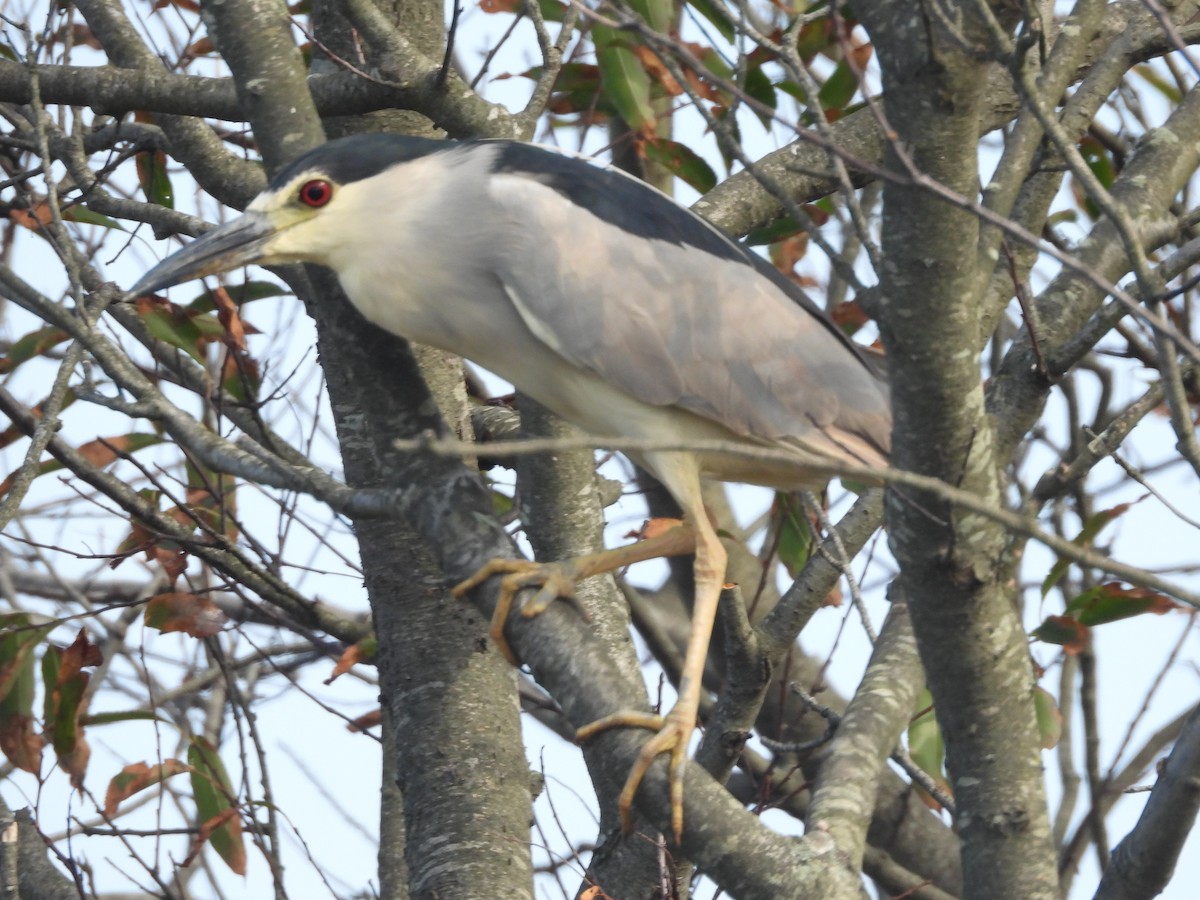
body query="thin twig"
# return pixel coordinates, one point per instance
(1021, 289)
(439, 81)
(1017, 523)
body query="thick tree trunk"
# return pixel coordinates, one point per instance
(953, 569)
(452, 699)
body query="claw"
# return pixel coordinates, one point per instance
(674, 731)
(558, 579)
(553, 580)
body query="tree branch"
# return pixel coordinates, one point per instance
(1144, 861)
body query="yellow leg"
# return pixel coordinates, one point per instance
(558, 579)
(675, 729)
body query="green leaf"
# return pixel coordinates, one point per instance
(926, 747)
(26, 347)
(213, 793)
(1062, 217)
(19, 634)
(242, 379)
(1091, 528)
(1112, 601)
(136, 778)
(795, 91)
(152, 175)
(1064, 631)
(1154, 78)
(838, 90)
(64, 695)
(576, 90)
(65, 684)
(795, 534)
(16, 666)
(1101, 163)
(502, 504)
(174, 328)
(715, 14)
(655, 13)
(815, 37)
(1049, 718)
(925, 744)
(185, 612)
(781, 228)
(208, 326)
(1098, 160)
(625, 80)
(240, 294)
(18, 683)
(50, 666)
(735, 133)
(715, 63)
(758, 86)
(369, 646)
(85, 216)
(111, 718)
(682, 162)
(552, 11)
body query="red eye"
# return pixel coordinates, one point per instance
(316, 193)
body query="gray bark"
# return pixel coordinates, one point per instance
(453, 703)
(952, 564)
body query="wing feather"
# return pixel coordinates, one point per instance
(673, 324)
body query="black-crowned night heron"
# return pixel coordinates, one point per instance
(599, 297)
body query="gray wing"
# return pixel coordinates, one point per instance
(672, 324)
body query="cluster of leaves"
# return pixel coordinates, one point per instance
(27, 650)
(631, 80)
(1099, 604)
(65, 717)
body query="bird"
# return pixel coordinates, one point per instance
(604, 300)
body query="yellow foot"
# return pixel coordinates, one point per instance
(558, 579)
(673, 733)
(553, 580)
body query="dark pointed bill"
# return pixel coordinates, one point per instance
(237, 243)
